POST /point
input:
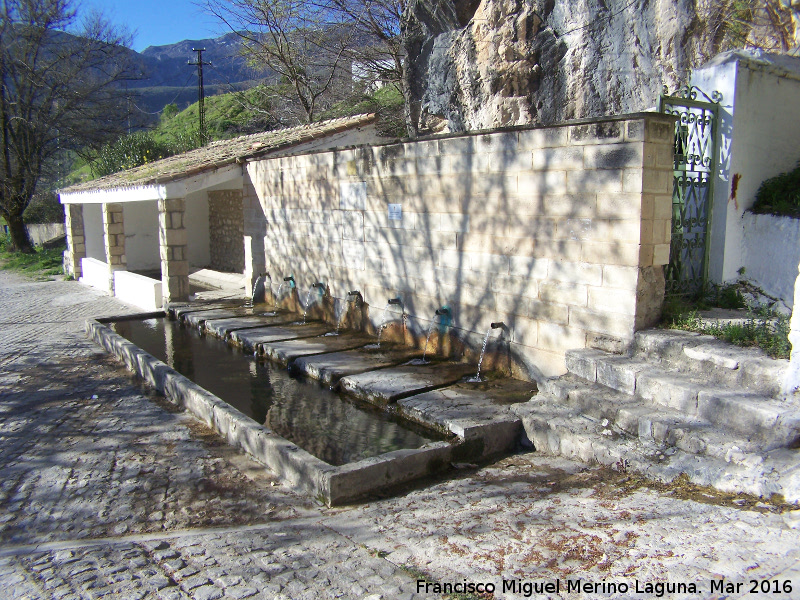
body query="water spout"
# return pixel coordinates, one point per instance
(497, 325)
(440, 312)
(389, 303)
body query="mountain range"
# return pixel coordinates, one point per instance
(168, 78)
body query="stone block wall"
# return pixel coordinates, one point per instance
(561, 232)
(114, 236)
(791, 384)
(226, 229)
(76, 239)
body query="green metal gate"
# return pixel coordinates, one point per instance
(696, 142)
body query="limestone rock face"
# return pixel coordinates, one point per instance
(478, 64)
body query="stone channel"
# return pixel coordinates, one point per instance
(475, 418)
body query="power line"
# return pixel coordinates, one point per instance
(158, 112)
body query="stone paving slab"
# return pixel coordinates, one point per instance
(473, 411)
(329, 368)
(221, 328)
(197, 319)
(180, 309)
(287, 351)
(537, 519)
(526, 518)
(250, 338)
(389, 385)
(276, 562)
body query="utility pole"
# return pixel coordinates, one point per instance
(200, 92)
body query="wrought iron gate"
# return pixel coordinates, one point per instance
(696, 138)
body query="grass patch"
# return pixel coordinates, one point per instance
(762, 328)
(41, 265)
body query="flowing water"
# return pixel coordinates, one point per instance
(383, 324)
(341, 316)
(427, 341)
(477, 378)
(423, 360)
(278, 295)
(308, 302)
(333, 428)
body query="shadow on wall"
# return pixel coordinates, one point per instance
(559, 233)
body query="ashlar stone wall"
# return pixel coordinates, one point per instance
(114, 237)
(226, 229)
(561, 232)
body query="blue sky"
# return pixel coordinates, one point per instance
(159, 22)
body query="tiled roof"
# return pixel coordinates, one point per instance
(219, 154)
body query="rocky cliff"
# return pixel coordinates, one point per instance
(478, 64)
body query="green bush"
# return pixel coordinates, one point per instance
(780, 195)
(128, 152)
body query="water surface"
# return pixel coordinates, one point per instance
(333, 428)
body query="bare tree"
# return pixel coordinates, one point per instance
(755, 24)
(300, 43)
(379, 46)
(60, 92)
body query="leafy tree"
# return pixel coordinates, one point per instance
(60, 91)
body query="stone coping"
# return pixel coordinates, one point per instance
(296, 467)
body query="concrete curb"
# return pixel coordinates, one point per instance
(296, 467)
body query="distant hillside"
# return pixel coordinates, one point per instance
(170, 79)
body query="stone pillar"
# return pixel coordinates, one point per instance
(656, 215)
(792, 382)
(114, 238)
(254, 229)
(76, 239)
(172, 239)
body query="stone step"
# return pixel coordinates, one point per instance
(652, 424)
(717, 361)
(555, 429)
(773, 423)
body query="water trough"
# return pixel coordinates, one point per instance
(472, 423)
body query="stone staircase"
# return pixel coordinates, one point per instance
(681, 402)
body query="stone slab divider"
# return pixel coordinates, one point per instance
(296, 467)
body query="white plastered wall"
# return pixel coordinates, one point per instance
(141, 235)
(760, 126)
(197, 229)
(93, 231)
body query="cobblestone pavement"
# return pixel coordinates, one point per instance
(107, 492)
